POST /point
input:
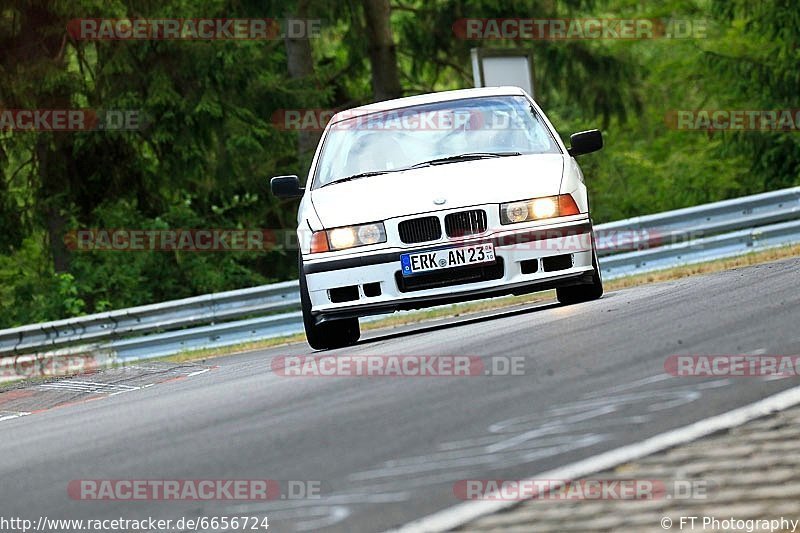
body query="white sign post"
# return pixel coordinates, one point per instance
(496, 67)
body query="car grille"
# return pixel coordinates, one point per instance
(465, 223)
(448, 277)
(420, 230)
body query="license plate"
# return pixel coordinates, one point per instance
(446, 258)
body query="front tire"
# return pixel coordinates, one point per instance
(328, 335)
(575, 294)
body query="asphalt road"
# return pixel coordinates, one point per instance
(388, 450)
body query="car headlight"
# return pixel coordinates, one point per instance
(538, 209)
(348, 237)
(340, 238)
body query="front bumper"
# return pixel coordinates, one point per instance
(530, 259)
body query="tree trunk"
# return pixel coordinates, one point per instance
(34, 48)
(300, 63)
(382, 50)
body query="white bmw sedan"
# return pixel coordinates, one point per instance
(436, 199)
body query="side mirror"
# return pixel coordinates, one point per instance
(585, 142)
(286, 187)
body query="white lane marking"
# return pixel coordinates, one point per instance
(776, 377)
(423, 464)
(101, 383)
(467, 443)
(94, 387)
(89, 387)
(533, 437)
(631, 385)
(334, 515)
(72, 387)
(274, 506)
(15, 415)
(463, 513)
(529, 435)
(471, 452)
(124, 391)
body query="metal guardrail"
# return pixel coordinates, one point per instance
(631, 246)
(700, 250)
(680, 225)
(206, 309)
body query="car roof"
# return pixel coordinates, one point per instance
(429, 98)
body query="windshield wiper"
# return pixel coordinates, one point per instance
(358, 176)
(463, 157)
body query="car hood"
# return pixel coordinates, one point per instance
(468, 183)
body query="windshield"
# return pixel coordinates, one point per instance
(393, 140)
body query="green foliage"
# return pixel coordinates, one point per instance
(30, 291)
(139, 278)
